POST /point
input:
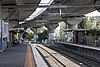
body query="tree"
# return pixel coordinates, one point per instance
(89, 22)
(24, 35)
(40, 37)
(43, 34)
(60, 29)
(81, 25)
(29, 36)
(86, 22)
(98, 24)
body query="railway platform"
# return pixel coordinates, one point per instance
(17, 56)
(42, 55)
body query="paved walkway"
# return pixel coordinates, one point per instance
(18, 56)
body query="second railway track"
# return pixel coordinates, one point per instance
(81, 59)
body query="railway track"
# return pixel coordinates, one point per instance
(75, 56)
(50, 60)
(54, 59)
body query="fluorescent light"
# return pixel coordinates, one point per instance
(39, 10)
(21, 22)
(38, 24)
(41, 21)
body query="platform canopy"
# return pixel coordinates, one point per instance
(53, 11)
(17, 9)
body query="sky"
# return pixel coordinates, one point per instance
(94, 13)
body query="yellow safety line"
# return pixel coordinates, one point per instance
(29, 58)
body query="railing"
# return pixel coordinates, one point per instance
(93, 41)
(86, 51)
(89, 40)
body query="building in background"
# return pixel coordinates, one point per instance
(4, 35)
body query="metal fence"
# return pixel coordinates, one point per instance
(89, 40)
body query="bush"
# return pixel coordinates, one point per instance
(42, 36)
(29, 36)
(95, 32)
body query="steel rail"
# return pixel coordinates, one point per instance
(62, 52)
(51, 56)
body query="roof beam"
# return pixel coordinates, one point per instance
(46, 6)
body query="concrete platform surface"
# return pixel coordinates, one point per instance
(14, 56)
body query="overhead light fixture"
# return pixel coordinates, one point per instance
(60, 11)
(38, 24)
(41, 21)
(39, 10)
(21, 22)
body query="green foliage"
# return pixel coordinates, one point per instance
(85, 22)
(29, 36)
(42, 36)
(95, 32)
(98, 24)
(42, 29)
(91, 23)
(88, 22)
(45, 34)
(59, 32)
(81, 25)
